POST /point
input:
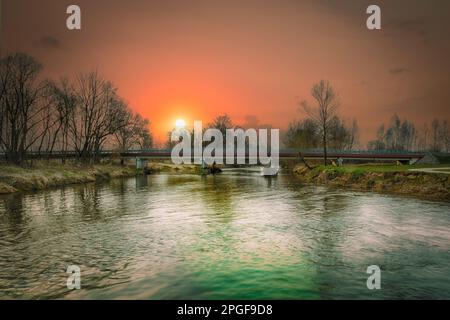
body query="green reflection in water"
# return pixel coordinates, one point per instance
(230, 236)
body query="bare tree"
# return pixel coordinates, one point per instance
(134, 132)
(398, 135)
(96, 116)
(44, 115)
(445, 135)
(354, 135)
(303, 134)
(222, 123)
(340, 137)
(323, 113)
(435, 128)
(141, 133)
(20, 105)
(65, 103)
(423, 138)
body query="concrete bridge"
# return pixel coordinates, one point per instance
(142, 156)
(339, 156)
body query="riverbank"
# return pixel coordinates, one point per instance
(48, 175)
(157, 167)
(380, 178)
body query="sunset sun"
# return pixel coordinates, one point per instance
(180, 123)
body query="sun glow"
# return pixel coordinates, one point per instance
(180, 123)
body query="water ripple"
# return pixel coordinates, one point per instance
(237, 235)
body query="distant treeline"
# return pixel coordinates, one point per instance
(403, 135)
(324, 129)
(83, 115)
(307, 134)
(396, 135)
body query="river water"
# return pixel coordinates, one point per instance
(230, 236)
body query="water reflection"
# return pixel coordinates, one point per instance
(141, 183)
(226, 236)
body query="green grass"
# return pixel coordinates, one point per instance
(358, 170)
(382, 178)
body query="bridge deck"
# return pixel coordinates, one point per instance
(284, 153)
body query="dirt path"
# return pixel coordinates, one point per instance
(433, 170)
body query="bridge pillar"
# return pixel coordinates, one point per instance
(140, 163)
(413, 160)
(340, 161)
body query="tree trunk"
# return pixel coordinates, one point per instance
(324, 146)
(304, 161)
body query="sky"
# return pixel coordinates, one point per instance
(252, 59)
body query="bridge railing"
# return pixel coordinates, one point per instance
(284, 151)
(358, 152)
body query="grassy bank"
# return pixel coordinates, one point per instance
(156, 167)
(381, 178)
(48, 175)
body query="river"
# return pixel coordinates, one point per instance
(232, 236)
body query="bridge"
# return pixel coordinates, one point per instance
(142, 156)
(314, 154)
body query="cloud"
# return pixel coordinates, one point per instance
(395, 71)
(50, 42)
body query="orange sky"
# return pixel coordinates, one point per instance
(197, 59)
